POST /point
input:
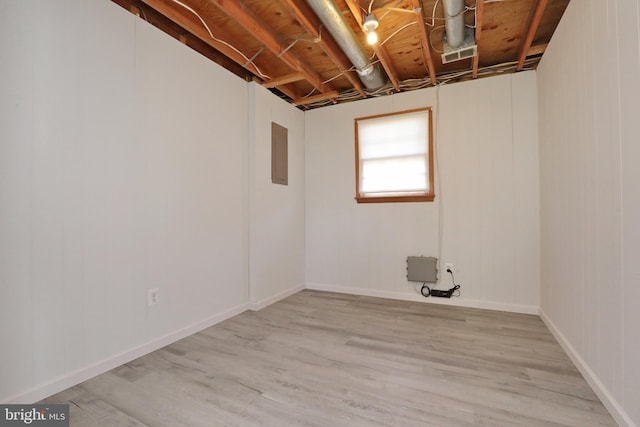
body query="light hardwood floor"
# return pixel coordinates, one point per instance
(326, 359)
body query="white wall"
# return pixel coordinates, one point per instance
(589, 100)
(487, 144)
(123, 167)
(277, 258)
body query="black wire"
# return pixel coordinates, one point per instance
(456, 288)
(424, 286)
(426, 291)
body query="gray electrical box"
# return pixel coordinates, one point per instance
(422, 269)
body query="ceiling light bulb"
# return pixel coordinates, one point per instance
(372, 37)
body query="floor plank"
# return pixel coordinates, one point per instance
(327, 359)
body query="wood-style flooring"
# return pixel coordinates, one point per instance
(326, 359)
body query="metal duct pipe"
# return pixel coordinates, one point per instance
(454, 24)
(371, 75)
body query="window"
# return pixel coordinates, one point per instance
(394, 157)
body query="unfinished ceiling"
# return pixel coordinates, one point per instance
(293, 48)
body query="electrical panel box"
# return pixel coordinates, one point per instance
(279, 154)
(422, 269)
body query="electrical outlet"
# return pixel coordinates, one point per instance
(152, 296)
(448, 266)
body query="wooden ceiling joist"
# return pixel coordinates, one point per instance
(387, 64)
(424, 39)
(166, 25)
(201, 32)
(259, 29)
(310, 22)
(532, 28)
(196, 28)
(478, 23)
(381, 52)
(180, 17)
(476, 64)
(316, 98)
(537, 49)
(257, 40)
(283, 80)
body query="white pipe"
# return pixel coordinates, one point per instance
(454, 24)
(331, 16)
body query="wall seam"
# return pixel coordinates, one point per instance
(621, 201)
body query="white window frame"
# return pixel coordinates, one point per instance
(390, 195)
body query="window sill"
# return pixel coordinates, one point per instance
(395, 199)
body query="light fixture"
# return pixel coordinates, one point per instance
(369, 24)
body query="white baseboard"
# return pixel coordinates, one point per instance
(259, 305)
(612, 405)
(83, 374)
(68, 380)
(459, 302)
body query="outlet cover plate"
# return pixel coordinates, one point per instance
(152, 296)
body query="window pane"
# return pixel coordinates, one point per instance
(393, 147)
(393, 136)
(394, 175)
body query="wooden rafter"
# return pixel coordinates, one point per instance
(182, 19)
(283, 45)
(381, 52)
(316, 98)
(537, 49)
(424, 38)
(283, 80)
(200, 32)
(310, 22)
(479, 18)
(259, 29)
(532, 28)
(134, 9)
(387, 64)
(163, 23)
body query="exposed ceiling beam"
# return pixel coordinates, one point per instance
(424, 38)
(474, 67)
(200, 32)
(532, 28)
(385, 60)
(537, 49)
(259, 29)
(316, 98)
(196, 28)
(174, 30)
(381, 52)
(311, 23)
(478, 23)
(134, 9)
(283, 80)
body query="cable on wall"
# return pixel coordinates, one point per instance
(436, 158)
